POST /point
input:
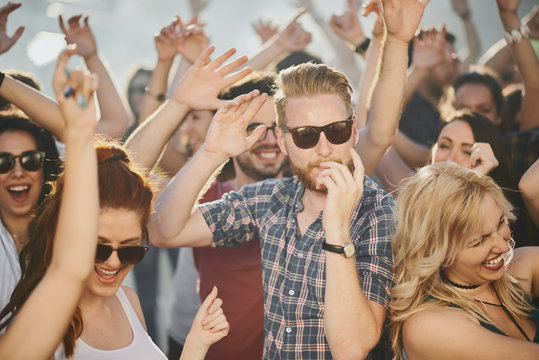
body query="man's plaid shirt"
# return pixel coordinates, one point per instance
(293, 266)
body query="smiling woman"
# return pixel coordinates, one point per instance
(28, 161)
(126, 203)
(456, 283)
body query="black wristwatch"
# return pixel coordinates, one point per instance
(361, 48)
(348, 249)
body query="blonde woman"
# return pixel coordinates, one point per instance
(458, 294)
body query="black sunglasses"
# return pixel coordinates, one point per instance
(252, 126)
(128, 255)
(31, 160)
(306, 137)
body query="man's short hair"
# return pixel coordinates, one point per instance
(309, 80)
(257, 80)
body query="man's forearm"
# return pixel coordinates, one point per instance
(351, 327)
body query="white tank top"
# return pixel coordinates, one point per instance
(142, 346)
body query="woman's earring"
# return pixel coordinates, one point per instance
(508, 256)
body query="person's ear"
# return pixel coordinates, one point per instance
(355, 131)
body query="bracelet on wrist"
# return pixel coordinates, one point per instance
(517, 35)
(2, 77)
(158, 97)
(363, 46)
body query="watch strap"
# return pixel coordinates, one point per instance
(363, 46)
(338, 249)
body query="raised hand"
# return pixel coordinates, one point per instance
(210, 324)
(227, 135)
(74, 91)
(294, 37)
(344, 190)
(80, 35)
(375, 6)
(460, 7)
(165, 40)
(347, 25)
(482, 158)
(265, 29)
(402, 17)
(201, 84)
(430, 49)
(6, 42)
(177, 38)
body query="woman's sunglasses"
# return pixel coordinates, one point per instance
(30, 161)
(128, 255)
(306, 137)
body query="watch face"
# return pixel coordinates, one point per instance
(349, 250)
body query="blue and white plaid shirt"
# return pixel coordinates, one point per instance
(293, 266)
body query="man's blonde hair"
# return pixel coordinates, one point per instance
(308, 80)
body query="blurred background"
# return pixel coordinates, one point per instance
(124, 29)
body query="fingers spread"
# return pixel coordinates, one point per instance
(215, 64)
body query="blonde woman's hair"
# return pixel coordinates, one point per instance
(439, 208)
(309, 80)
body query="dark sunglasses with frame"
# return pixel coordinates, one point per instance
(306, 137)
(128, 255)
(252, 126)
(31, 160)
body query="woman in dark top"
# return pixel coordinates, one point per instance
(462, 292)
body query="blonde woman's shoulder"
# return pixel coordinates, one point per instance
(525, 268)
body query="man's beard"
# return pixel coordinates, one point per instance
(305, 174)
(268, 172)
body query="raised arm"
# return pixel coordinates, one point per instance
(292, 38)
(198, 90)
(344, 58)
(174, 223)
(526, 60)
(373, 57)
(114, 115)
(462, 9)
(6, 42)
(529, 189)
(402, 19)
(429, 51)
(264, 29)
(190, 41)
(48, 310)
(38, 106)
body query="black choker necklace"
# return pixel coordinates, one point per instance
(460, 286)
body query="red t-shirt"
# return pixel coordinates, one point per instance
(237, 273)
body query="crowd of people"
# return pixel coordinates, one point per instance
(304, 222)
